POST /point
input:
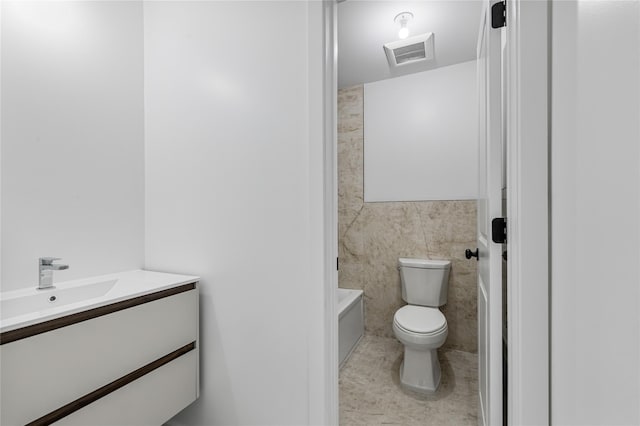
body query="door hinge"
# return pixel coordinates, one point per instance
(499, 15)
(499, 230)
(337, 263)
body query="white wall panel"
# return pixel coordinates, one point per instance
(72, 138)
(228, 170)
(595, 199)
(420, 136)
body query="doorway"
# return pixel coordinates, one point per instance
(374, 231)
(526, 60)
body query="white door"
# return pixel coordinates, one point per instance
(489, 207)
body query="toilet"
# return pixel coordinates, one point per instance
(420, 326)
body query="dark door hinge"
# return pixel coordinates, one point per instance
(337, 263)
(499, 15)
(499, 230)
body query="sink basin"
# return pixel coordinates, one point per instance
(42, 300)
(30, 306)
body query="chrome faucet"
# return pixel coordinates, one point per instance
(45, 269)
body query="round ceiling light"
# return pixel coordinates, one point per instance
(403, 19)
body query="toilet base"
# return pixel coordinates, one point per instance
(420, 370)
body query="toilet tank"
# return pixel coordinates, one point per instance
(424, 282)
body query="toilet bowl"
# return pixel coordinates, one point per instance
(422, 331)
(420, 326)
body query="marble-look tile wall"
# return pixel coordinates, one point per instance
(372, 236)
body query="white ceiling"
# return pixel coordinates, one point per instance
(365, 25)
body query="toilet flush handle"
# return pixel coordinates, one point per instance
(469, 254)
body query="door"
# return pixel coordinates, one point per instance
(490, 203)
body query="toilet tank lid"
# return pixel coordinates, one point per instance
(423, 263)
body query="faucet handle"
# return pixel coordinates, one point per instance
(48, 260)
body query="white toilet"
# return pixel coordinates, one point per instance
(420, 326)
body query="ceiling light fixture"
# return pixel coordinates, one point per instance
(403, 19)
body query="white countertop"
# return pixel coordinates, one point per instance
(127, 285)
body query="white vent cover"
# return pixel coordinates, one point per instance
(410, 50)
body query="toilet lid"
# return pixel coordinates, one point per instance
(420, 319)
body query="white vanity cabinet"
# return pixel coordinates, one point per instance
(132, 362)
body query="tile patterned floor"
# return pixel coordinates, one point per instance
(370, 392)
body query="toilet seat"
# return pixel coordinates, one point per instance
(420, 320)
(420, 327)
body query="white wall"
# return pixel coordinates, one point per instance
(595, 199)
(231, 174)
(72, 138)
(420, 136)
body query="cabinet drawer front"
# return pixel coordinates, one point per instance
(151, 400)
(46, 371)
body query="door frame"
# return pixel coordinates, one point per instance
(528, 297)
(527, 126)
(323, 391)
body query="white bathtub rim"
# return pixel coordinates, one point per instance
(348, 302)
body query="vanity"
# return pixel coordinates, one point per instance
(119, 349)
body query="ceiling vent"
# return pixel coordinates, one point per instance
(410, 50)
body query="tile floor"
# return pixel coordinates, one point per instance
(370, 392)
